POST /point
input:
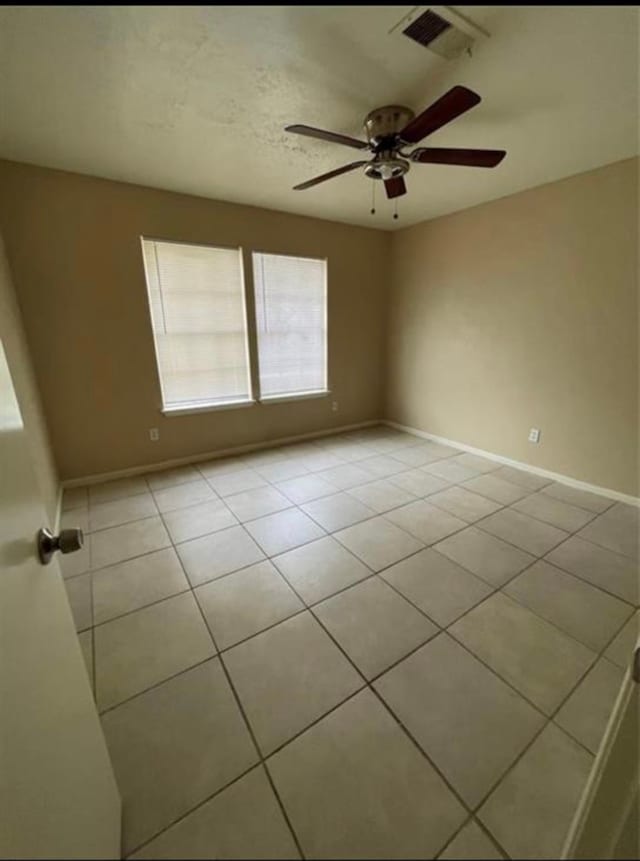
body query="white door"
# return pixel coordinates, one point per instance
(58, 796)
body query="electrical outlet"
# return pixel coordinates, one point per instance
(154, 434)
(534, 435)
(334, 406)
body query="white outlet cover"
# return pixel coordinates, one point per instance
(154, 434)
(534, 435)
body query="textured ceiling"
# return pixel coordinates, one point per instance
(194, 99)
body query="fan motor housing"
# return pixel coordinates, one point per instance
(383, 125)
(386, 166)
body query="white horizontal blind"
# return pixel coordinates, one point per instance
(196, 296)
(291, 322)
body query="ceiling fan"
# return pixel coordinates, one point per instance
(392, 128)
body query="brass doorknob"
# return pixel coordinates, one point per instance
(68, 541)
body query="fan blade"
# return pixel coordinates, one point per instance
(330, 175)
(395, 187)
(467, 157)
(447, 108)
(332, 137)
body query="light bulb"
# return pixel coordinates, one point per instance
(386, 171)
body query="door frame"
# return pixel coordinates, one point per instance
(606, 805)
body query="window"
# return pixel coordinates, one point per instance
(199, 322)
(196, 298)
(291, 323)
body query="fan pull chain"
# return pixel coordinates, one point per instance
(395, 208)
(373, 198)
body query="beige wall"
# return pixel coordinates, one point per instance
(15, 346)
(523, 313)
(517, 313)
(74, 246)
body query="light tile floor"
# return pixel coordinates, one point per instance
(365, 646)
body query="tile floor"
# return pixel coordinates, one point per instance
(365, 646)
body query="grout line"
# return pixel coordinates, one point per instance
(569, 535)
(270, 627)
(548, 718)
(108, 709)
(588, 582)
(200, 804)
(519, 466)
(514, 507)
(383, 569)
(336, 706)
(548, 497)
(602, 546)
(97, 503)
(264, 514)
(154, 603)
(367, 686)
(247, 723)
(91, 570)
(479, 523)
(577, 578)
(544, 490)
(93, 649)
(474, 820)
(316, 720)
(124, 522)
(423, 753)
(490, 836)
(455, 834)
(449, 535)
(432, 546)
(242, 712)
(283, 809)
(368, 683)
(339, 528)
(286, 550)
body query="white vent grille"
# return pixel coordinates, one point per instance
(426, 28)
(439, 29)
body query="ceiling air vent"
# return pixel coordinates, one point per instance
(426, 28)
(440, 29)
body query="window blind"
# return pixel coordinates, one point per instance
(291, 323)
(196, 298)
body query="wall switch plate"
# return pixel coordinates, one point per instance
(534, 435)
(154, 434)
(334, 406)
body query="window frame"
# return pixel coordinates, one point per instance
(187, 409)
(251, 333)
(317, 393)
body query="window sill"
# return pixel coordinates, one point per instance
(205, 408)
(234, 405)
(303, 396)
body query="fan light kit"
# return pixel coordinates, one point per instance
(391, 129)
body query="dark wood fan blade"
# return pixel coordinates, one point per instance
(395, 187)
(323, 135)
(330, 175)
(467, 157)
(447, 108)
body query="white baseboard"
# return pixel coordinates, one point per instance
(211, 455)
(526, 467)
